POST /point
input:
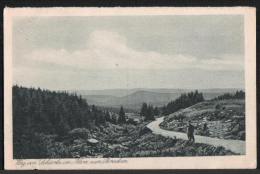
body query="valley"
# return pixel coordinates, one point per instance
(133, 98)
(64, 125)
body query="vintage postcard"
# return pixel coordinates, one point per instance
(130, 88)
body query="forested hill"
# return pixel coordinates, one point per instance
(191, 98)
(49, 112)
(185, 100)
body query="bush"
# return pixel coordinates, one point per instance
(79, 133)
(218, 106)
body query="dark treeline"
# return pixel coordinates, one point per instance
(52, 112)
(115, 109)
(185, 100)
(237, 95)
(49, 112)
(148, 111)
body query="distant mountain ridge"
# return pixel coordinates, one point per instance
(123, 92)
(132, 101)
(133, 98)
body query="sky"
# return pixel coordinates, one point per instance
(107, 52)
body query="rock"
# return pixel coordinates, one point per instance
(219, 150)
(229, 137)
(144, 130)
(85, 150)
(79, 133)
(235, 129)
(92, 141)
(78, 141)
(242, 135)
(75, 155)
(171, 142)
(76, 148)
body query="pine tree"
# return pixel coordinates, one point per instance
(156, 111)
(121, 118)
(107, 116)
(143, 109)
(149, 114)
(114, 119)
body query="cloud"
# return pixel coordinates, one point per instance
(109, 50)
(225, 62)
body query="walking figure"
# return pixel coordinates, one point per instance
(205, 127)
(190, 132)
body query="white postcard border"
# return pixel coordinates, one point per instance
(209, 162)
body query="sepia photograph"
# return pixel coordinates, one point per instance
(107, 88)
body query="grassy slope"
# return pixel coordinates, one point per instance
(137, 141)
(225, 119)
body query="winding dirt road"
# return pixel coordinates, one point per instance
(237, 146)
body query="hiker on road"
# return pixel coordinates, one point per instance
(205, 127)
(190, 132)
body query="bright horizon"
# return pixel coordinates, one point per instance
(104, 89)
